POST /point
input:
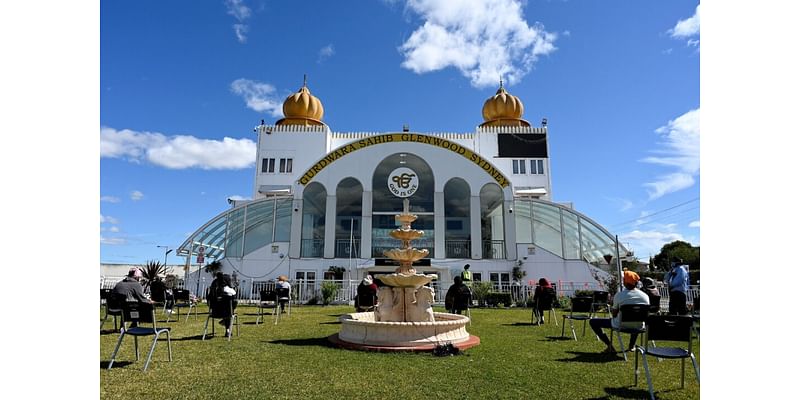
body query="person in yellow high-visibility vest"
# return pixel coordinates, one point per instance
(466, 275)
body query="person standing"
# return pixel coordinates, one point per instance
(458, 297)
(283, 283)
(677, 280)
(466, 275)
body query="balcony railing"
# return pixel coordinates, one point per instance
(343, 248)
(457, 248)
(312, 248)
(494, 249)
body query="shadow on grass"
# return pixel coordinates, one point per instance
(558, 338)
(593, 357)
(519, 324)
(195, 337)
(331, 323)
(117, 364)
(624, 393)
(321, 342)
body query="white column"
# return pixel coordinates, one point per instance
(297, 228)
(475, 226)
(330, 226)
(366, 225)
(510, 234)
(439, 225)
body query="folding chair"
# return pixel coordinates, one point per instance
(268, 298)
(599, 302)
(583, 307)
(677, 328)
(547, 300)
(135, 312)
(283, 298)
(630, 313)
(183, 299)
(157, 296)
(113, 306)
(221, 308)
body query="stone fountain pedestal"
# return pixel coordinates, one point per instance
(403, 320)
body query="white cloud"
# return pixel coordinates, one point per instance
(326, 53)
(113, 229)
(258, 96)
(241, 12)
(687, 27)
(694, 224)
(176, 152)
(136, 195)
(649, 242)
(486, 40)
(680, 150)
(110, 199)
(108, 219)
(112, 241)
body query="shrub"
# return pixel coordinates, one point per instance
(480, 290)
(582, 293)
(329, 290)
(494, 299)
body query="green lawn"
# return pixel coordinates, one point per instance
(292, 360)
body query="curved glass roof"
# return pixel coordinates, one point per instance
(555, 228)
(563, 232)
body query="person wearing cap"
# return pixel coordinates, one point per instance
(131, 288)
(629, 295)
(677, 280)
(366, 294)
(649, 288)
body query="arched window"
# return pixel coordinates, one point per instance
(348, 218)
(313, 228)
(456, 219)
(492, 229)
(386, 205)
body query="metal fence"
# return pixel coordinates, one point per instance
(308, 291)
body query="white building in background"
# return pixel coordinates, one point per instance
(322, 199)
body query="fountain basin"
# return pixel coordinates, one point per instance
(407, 255)
(404, 281)
(362, 329)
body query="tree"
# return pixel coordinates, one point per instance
(683, 250)
(151, 270)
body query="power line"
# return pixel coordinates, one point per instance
(655, 213)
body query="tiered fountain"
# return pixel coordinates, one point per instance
(403, 320)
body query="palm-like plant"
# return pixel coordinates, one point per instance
(151, 270)
(213, 266)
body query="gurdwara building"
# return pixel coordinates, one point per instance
(325, 200)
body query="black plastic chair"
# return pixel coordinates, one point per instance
(221, 307)
(268, 298)
(675, 328)
(544, 302)
(283, 299)
(183, 299)
(112, 305)
(580, 310)
(138, 313)
(631, 313)
(600, 302)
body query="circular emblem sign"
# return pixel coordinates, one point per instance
(403, 182)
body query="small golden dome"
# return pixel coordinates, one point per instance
(302, 108)
(503, 109)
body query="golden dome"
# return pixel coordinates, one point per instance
(503, 109)
(302, 108)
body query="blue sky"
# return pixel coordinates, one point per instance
(183, 83)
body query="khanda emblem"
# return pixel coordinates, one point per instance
(403, 180)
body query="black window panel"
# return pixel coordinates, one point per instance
(524, 145)
(271, 168)
(264, 164)
(283, 165)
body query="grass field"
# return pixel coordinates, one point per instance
(292, 360)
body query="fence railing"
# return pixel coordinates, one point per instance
(312, 247)
(343, 247)
(457, 248)
(494, 249)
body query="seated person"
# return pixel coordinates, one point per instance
(220, 287)
(131, 288)
(458, 297)
(649, 288)
(283, 283)
(629, 295)
(366, 294)
(161, 293)
(543, 297)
